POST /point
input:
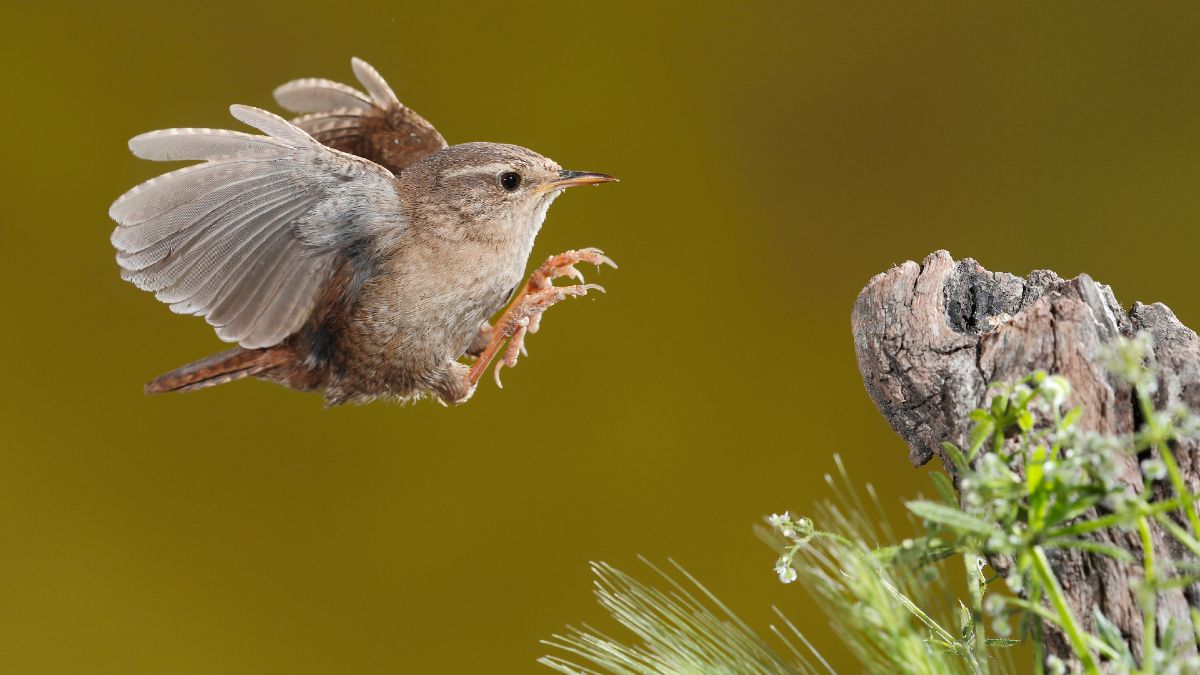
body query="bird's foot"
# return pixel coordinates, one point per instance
(557, 267)
(524, 314)
(525, 317)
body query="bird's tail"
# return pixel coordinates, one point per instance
(227, 366)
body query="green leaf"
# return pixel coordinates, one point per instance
(1177, 582)
(922, 551)
(956, 458)
(1090, 546)
(1001, 642)
(1111, 635)
(1035, 473)
(999, 403)
(945, 489)
(950, 517)
(943, 646)
(1072, 416)
(1168, 636)
(979, 434)
(1181, 535)
(1065, 510)
(981, 415)
(1025, 420)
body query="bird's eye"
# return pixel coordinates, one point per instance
(510, 180)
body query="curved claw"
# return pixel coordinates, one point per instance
(579, 289)
(524, 314)
(572, 272)
(597, 257)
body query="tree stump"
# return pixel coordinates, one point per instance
(929, 339)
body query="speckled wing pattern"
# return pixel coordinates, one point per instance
(248, 238)
(374, 125)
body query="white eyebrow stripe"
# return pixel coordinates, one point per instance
(494, 167)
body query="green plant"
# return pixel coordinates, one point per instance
(1030, 483)
(891, 604)
(681, 630)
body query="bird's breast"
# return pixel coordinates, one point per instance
(427, 304)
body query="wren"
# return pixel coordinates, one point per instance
(350, 251)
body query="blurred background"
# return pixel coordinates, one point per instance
(773, 157)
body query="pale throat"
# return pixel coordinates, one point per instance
(525, 239)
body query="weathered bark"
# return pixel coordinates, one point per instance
(930, 338)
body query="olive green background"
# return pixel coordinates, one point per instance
(773, 158)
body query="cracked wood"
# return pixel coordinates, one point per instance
(929, 338)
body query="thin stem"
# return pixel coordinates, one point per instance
(1052, 618)
(1075, 634)
(970, 560)
(819, 534)
(1189, 505)
(1168, 457)
(933, 626)
(1149, 630)
(1181, 535)
(918, 612)
(1039, 644)
(1110, 520)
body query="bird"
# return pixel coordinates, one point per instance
(350, 251)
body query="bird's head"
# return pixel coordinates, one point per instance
(486, 191)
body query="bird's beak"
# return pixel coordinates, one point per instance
(568, 179)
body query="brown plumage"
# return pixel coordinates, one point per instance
(351, 252)
(376, 126)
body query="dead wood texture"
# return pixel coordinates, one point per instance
(929, 338)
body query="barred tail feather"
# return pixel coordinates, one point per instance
(227, 366)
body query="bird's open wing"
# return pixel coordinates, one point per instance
(248, 237)
(376, 125)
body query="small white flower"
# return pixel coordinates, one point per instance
(787, 573)
(993, 605)
(1154, 469)
(779, 521)
(1056, 389)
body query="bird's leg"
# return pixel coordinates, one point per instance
(451, 383)
(524, 313)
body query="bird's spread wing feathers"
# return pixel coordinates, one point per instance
(248, 237)
(375, 125)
